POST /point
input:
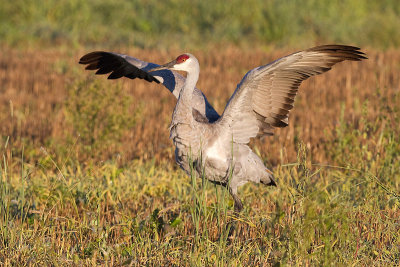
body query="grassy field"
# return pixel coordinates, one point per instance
(197, 23)
(87, 174)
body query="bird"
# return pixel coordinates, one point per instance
(217, 147)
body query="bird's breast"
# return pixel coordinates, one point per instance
(216, 152)
(185, 138)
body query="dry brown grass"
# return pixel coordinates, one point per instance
(36, 83)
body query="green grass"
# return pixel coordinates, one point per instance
(190, 24)
(151, 214)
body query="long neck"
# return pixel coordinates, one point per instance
(186, 93)
(183, 109)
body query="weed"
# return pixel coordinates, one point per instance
(99, 115)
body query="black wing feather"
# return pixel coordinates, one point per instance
(105, 62)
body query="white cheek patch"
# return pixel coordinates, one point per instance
(182, 66)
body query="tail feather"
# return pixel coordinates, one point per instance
(269, 179)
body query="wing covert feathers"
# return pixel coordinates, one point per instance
(266, 94)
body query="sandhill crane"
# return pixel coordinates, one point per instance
(218, 149)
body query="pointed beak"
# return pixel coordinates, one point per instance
(169, 65)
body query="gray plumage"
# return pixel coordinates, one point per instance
(218, 146)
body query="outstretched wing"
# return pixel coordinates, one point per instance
(120, 65)
(264, 97)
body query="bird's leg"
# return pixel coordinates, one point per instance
(238, 207)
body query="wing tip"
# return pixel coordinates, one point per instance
(92, 56)
(347, 52)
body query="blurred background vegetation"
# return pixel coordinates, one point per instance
(177, 23)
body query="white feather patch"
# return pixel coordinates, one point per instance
(159, 78)
(216, 152)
